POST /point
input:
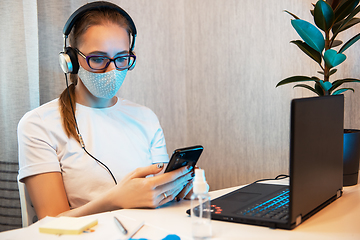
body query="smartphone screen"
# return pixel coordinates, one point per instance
(184, 157)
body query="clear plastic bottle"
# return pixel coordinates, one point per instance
(200, 207)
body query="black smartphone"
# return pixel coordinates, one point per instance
(183, 157)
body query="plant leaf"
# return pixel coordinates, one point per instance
(349, 43)
(312, 53)
(347, 19)
(351, 23)
(332, 71)
(333, 3)
(325, 85)
(295, 79)
(310, 34)
(308, 87)
(338, 83)
(341, 90)
(323, 15)
(296, 17)
(345, 9)
(336, 26)
(319, 89)
(336, 43)
(333, 58)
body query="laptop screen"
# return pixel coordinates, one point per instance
(316, 152)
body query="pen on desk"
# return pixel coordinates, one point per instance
(136, 230)
(120, 226)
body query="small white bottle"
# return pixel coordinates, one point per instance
(200, 207)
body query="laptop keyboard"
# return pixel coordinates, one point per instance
(274, 208)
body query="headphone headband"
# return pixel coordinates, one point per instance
(68, 58)
(92, 6)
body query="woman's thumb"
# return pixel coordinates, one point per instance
(149, 170)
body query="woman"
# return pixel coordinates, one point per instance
(62, 178)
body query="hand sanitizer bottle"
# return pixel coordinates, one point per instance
(200, 207)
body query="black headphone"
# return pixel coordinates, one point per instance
(68, 58)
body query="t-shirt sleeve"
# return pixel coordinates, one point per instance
(158, 144)
(158, 147)
(36, 153)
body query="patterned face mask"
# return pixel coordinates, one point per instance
(102, 85)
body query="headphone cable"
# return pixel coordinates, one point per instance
(79, 135)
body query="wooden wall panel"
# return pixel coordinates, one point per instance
(208, 69)
(237, 52)
(158, 80)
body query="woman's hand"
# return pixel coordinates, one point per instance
(137, 191)
(186, 192)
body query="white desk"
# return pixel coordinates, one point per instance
(339, 220)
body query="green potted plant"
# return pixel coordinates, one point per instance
(318, 42)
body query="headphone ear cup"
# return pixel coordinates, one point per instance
(68, 61)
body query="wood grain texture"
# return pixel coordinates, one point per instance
(234, 110)
(208, 69)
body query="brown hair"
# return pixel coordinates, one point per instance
(91, 18)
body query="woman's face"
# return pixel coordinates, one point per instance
(108, 40)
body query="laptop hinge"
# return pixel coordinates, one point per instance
(298, 220)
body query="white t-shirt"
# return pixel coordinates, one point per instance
(124, 137)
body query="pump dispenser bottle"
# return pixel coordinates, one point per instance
(200, 207)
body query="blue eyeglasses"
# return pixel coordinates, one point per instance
(98, 62)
